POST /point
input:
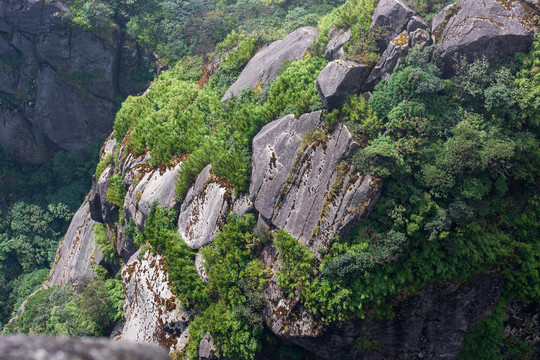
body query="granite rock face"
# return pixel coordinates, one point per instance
(206, 207)
(266, 63)
(393, 56)
(340, 79)
(308, 190)
(60, 80)
(334, 48)
(156, 185)
(483, 28)
(153, 313)
(78, 253)
(68, 348)
(391, 17)
(429, 325)
(207, 350)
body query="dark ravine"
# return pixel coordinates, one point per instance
(59, 82)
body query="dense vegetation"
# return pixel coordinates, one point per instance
(459, 158)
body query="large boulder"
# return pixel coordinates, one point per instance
(266, 63)
(206, 207)
(391, 17)
(153, 313)
(154, 185)
(340, 79)
(78, 253)
(302, 183)
(483, 28)
(334, 48)
(69, 348)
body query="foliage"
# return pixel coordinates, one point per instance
(106, 246)
(102, 165)
(63, 311)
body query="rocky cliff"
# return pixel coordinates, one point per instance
(301, 182)
(58, 81)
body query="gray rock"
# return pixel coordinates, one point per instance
(204, 210)
(101, 210)
(431, 324)
(154, 185)
(307, 190)
(68, 348)
(73, 126)
(416, 23)
(483, 28)
(200, 266)
(394, 55)
(266, 63)
(153, 314)
(420, 38)
(340, 79)
(392, 17)
(78, 253)
(207, 350)
(334, 49)
(8, 79)
(29, 16)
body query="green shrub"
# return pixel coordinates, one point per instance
(102, 165)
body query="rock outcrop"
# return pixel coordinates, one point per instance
(340, 79)
(391, 18)
(78, 253)
(206, 207)
(430, 325)
(301, 184)
(59, 80)
(66, 348)
(157, 185)
(483, 28)
(153, 313)
(266, 63)
(334, 48)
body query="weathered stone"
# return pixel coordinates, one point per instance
(8, 79)
(29, 16)
(68, 348)
(153, 313)
(309, 191)
(207, 350)
(416, 23)
(204, 210)
(420, 38)
(266, 63)
(73, 126)
(392, 57)
(200, 266)
(78, 253)
(155, 185)
(483, 28)
(100, 208)
(390, 17)
(340, 79)
(429, 325)
(334, 49)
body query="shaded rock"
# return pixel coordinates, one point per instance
(152, 312)
(334, 49)
(68, 348)
(266, 63)
(340, 79)
(416, 23)
(78, 253)
(207, 350)
(483, 28)
(101, 209)
(431, 325)
(73, 126)
(391, 17)
(420, 38)
(156, 185)
(308, 190)
(204, 210)
(393, 56)
(8, 79)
